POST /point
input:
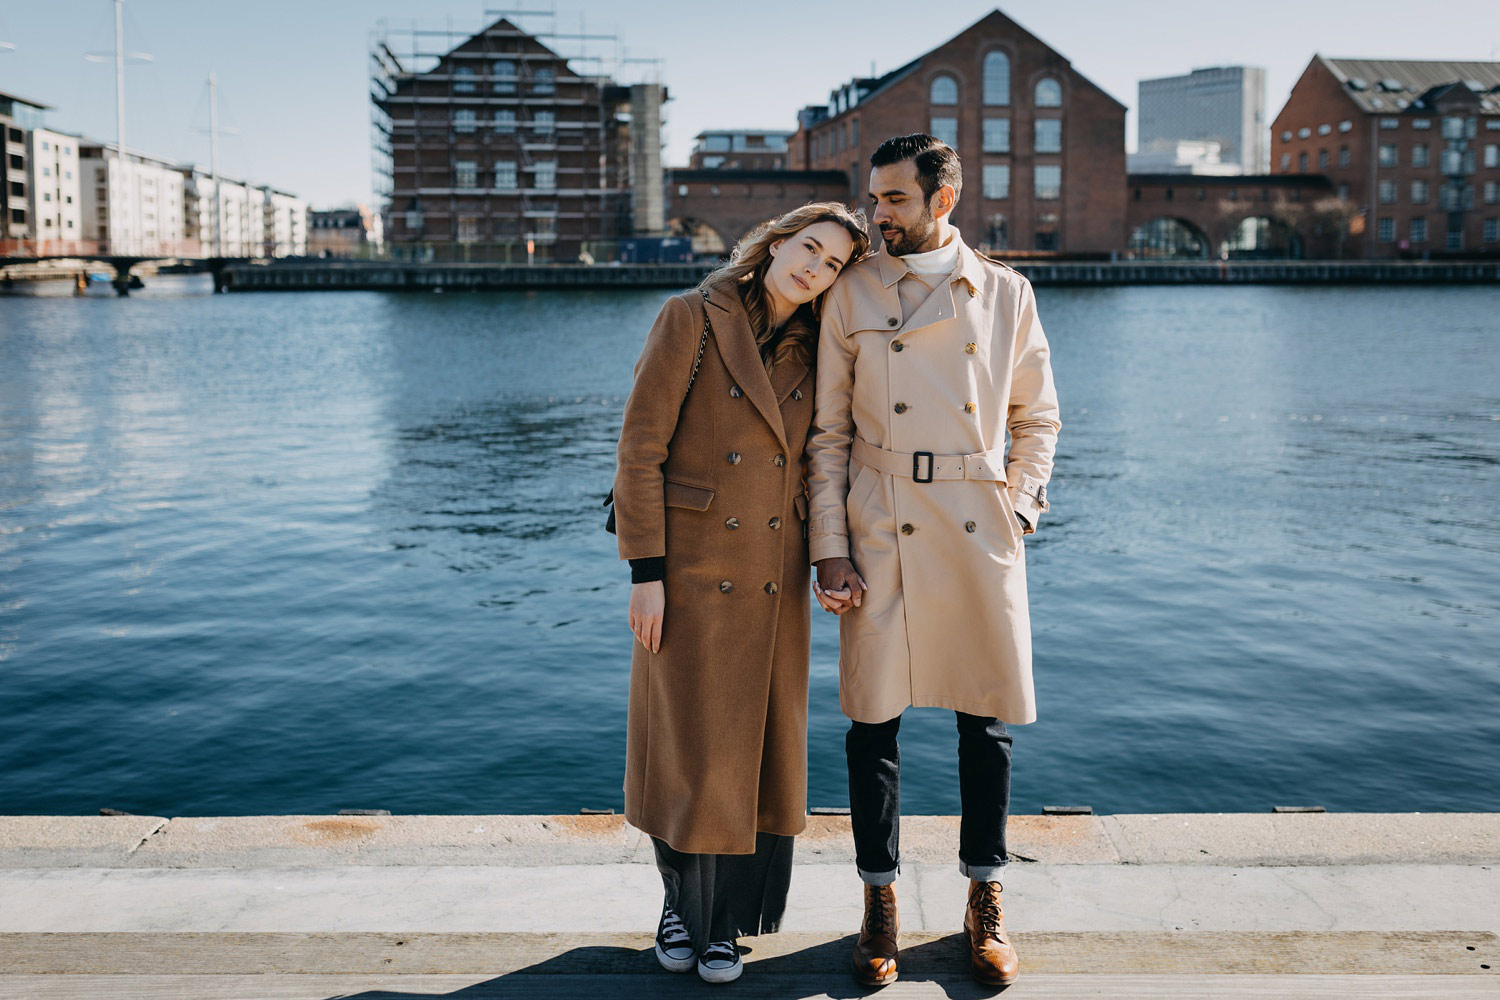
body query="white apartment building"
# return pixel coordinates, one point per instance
(134, 204)
(1223, 104)
(254, 220)
(54, 193)
(285, 231)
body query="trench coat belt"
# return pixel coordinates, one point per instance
(987, 465)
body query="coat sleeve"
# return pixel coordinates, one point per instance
(651, 412)
(1032, 415)
(830, 439)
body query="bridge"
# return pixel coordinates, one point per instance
(121, 260)
(1249, 216)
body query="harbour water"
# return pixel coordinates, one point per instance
(291, 553)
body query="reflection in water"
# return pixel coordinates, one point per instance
(346, 550)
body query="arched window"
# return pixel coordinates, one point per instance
(997, 80)
(1048, 93)
(944, 90)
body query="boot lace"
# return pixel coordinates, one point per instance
(882, 914)
(985, 898)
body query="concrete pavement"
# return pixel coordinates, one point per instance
(1326, 905)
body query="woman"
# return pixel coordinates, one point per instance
(710, 509)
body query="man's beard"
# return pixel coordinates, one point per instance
(904, 241)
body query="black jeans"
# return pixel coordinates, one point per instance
(875, 796)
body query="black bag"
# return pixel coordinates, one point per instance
(609, 522)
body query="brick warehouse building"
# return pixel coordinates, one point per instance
(497, 148)
(1414, 146)
(1043, 147)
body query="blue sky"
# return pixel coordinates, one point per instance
(293, 73)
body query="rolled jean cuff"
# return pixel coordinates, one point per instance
(979, 873)
(878, 878)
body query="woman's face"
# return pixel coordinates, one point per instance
(804, 265)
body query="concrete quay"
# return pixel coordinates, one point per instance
(318, 275)
(1135, 906)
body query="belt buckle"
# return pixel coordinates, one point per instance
(916, 466)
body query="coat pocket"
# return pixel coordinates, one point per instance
(688, 496)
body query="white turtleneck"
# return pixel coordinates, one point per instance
(943, 260)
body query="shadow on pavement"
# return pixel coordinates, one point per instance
(597, 973)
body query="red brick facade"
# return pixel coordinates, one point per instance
(732, 202)
(1087, 216)
(1389, 162)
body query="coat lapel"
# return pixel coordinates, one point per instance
(731, 327)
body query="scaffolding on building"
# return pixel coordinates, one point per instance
(555, 104)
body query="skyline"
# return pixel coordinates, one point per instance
(323, 154)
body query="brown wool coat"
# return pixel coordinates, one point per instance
(717, 727)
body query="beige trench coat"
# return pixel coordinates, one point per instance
(945, 621)
(716, 749)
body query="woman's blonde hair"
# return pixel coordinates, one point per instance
(745, 272)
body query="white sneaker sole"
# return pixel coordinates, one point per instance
(728, 975)
(675, 964)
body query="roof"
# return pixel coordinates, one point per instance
(1389, 85)
(25, 100)
(683, 175)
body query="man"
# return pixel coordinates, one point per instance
(929, 354)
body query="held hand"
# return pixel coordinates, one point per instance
(840, 583)
(836, 603)
(648, 606)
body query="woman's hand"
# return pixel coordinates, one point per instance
(648, 606)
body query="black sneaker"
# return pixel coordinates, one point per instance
(674, 946)
(720, 962)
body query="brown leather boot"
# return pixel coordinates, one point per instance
(992, 960)
(875, 951)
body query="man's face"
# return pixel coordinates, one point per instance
(904, 217)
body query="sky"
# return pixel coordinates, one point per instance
(293, 74)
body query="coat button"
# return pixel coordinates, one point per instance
(779, 461)
(973, 291)
(732, 523)
(734, 458)
(735, 391)
(969, 526)
(771, 588)
(796, 393)
(892, 321)
(907, 529)
(971, 348)
(897, 346)
(969, 407)
(725, 587)
(775, 523)
(900, 407)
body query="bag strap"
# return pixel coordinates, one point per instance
(702, 343)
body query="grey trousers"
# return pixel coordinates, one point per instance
(725, 896)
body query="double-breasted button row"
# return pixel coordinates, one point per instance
(727, 587)
(969, 526)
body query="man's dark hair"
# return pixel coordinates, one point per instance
(937, 163)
